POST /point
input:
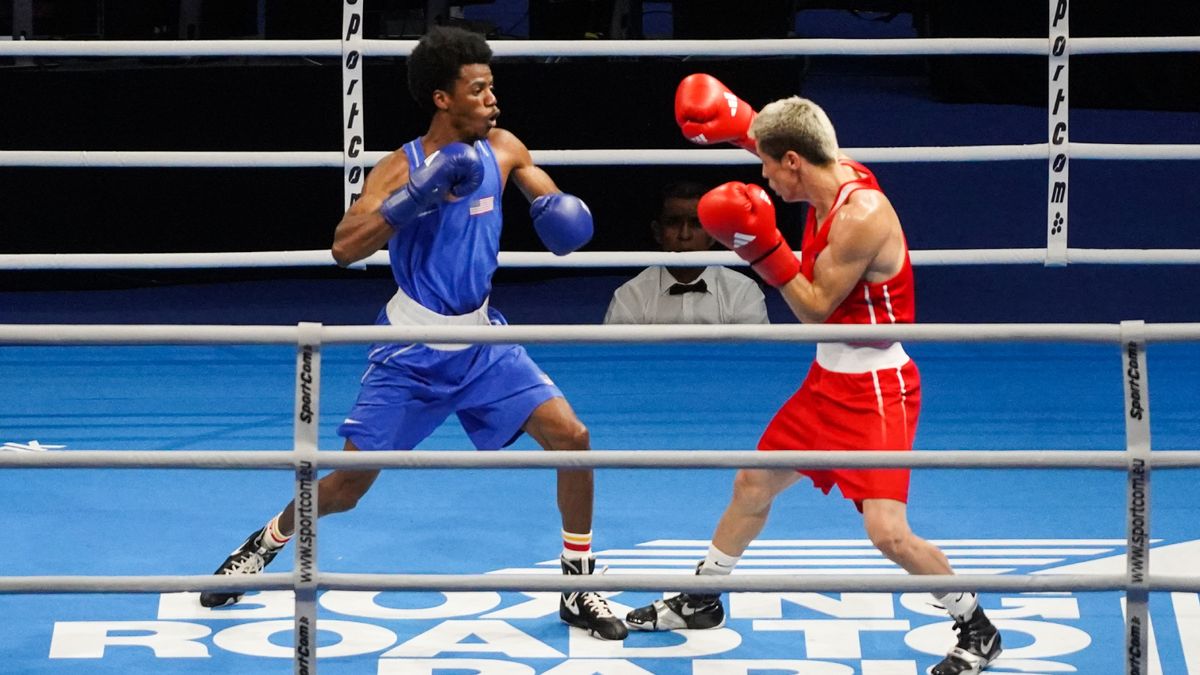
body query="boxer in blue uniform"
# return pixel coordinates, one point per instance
(436, 204)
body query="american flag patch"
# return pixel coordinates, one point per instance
(481, 206)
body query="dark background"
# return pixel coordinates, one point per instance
(580, 103)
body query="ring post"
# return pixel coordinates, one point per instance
(353, 143)
(307, 412)
(1137, 446)
(1056, 197)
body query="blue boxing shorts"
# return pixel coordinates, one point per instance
(492, 388)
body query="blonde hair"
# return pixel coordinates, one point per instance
(795, 124)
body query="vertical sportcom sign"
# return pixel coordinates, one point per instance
(304, 420)
(1056, 204)
(1137, 507)
(352, 102)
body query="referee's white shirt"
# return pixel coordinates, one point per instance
(731, 297)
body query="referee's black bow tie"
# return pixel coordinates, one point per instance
(680, 289)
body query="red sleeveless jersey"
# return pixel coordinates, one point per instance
(890, 301)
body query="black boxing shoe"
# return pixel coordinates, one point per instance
(978, 646)
(694, 611)
(686, 610)
(249, 558)
(588, 610)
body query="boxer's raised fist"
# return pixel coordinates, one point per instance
(742, 217)
(707, 112)
(456, 171)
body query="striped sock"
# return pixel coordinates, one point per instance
(576, 545)
(274, 537)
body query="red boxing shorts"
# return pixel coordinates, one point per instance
(876, 410)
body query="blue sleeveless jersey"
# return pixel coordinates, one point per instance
(445, 259)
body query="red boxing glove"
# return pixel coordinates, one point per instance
(707, 113)
(742, 217)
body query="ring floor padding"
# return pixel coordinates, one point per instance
(988, 396)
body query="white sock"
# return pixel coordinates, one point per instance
(717, 562)
(960, 606)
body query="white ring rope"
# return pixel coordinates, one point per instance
(123, 159)
(555, 48)
(128, 159)
(603, 459)
(582, 259)
(613, 581)
(182, 334)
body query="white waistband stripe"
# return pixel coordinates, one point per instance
(404, 311)
(841, 357)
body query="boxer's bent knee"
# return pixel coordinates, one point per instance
(570, 436)
(892, 537)
(341, 490)
(754, 490)
(556, 427)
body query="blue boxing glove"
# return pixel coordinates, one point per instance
(563, 222)
(455, 170)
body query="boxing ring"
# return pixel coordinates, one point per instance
(311, 342)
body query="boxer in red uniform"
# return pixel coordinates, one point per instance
(854, 269)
